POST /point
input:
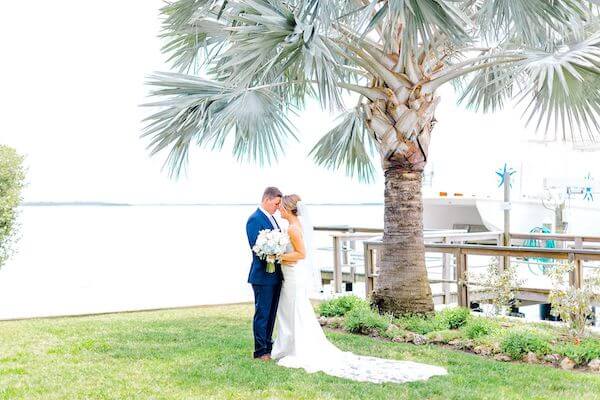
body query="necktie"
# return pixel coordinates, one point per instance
(275, 221)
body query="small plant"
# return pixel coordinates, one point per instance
(444, 336)
(340, 306)
(364, 320)
(502, 283)
(478, 327)
(573, 305)
(584, 352)
(517, 344)
(392, 331)
(454, 318)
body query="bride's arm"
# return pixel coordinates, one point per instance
(298, 252)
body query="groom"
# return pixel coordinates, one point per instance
(266, 286)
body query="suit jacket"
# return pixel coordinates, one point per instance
(258, 270)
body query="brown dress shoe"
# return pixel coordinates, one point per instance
(266, 357)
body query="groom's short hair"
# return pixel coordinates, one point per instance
(271, 192)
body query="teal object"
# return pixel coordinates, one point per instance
(548, 244)
(503, 172)
(587, 191)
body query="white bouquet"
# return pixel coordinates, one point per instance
(270, 245)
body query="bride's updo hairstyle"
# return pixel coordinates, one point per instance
(290, 203)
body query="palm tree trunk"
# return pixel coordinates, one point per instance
(402, 286)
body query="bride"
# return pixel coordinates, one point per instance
(300, 341)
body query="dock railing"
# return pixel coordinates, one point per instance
(345, 238)
(460, 245)
(461, 252)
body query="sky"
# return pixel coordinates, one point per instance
(73, 79)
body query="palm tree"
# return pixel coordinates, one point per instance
(243, 65)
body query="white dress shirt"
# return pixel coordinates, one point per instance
(271, 217)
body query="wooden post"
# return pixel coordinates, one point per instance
(368, 256)
(500, 242)
(337, 265)
(345, 247)
(461, 272)
(446, 274)
(576, 276)
(507, 206)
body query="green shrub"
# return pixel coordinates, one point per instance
(517, 344)
(453, 318)
(583, 352)
(450, 318)
(420, 324)
(340, 306)
(478, 327)
(12, 176)
(363, 320)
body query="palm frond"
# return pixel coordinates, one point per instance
(489, 88)
(186, 45)
(270, 44)
(347, 145)
(532, 22)
(418, 21)
(189, 28)
(565, 87)
(208, 113)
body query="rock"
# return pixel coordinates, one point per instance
(372, 332)
(502, 357)
(594, 365)
(462, 344)
(552, 358)
(399, 339)
(467, 344)
(437, 338)
(415, 338)
(409, 336)
(391, 331)
(335, 322)
(495, 348)
(531, 358)
(419, 340)
(323, 321)
(482, 350)
(567, 363)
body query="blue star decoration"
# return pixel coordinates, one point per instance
(503, 172)
(587, 191)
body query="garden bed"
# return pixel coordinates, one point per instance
(501, 338)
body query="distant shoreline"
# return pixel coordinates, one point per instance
(107, 204)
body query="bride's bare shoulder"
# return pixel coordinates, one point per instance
(295, 229)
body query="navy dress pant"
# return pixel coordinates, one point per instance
(266, 299)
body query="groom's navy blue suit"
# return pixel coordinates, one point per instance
(266, 286)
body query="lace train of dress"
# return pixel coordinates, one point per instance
(301, 342)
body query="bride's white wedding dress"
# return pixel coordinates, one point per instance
(301, 342)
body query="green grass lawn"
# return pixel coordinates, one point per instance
(205, 353)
